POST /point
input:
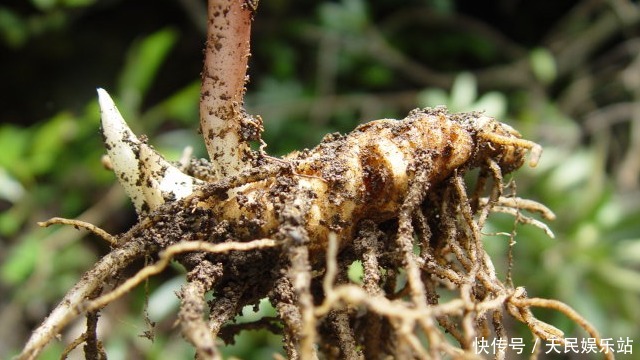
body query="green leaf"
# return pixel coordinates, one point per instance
(14, 142)
(492, 103)
(619, 276)
(44, 5)
(10, 188)
(442, 7)
(432, 97)
(49, 142)
(348, 15)
(543, 65)
(376, 75)
(163, 301)
(78, 3)
(575, 170)
(20, 261)
(356, 272)
(628, 251)
(13, 28)
(181, 106)
(463, 92)
(11, 220)
(143, 61)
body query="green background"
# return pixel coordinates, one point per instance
(564, 73)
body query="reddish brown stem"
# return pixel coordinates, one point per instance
(223, 78)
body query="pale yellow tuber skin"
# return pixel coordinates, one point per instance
(366, 174)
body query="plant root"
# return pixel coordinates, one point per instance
(289, 229)
(81, 224)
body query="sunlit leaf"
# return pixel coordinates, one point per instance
(543, 65)
(574, 170)
(10, 188)
(20, 261)
(493, 104)
(432, 97)
(163, 301)
(463, 92)
(628, 251)
(356, 272)
(50, 140)
(143, 61)
(15, 142)
(619, 276)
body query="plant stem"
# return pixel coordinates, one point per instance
(223, 78)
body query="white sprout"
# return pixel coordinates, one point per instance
(146, 176)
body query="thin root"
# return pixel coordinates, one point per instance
(535, 149)
(523, 204)
(81, 224)
(520, 301)
(165, 258)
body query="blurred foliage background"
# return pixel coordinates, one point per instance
(566, 73)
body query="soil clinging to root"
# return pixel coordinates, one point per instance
(392, 195)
